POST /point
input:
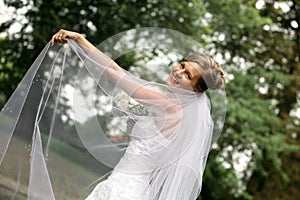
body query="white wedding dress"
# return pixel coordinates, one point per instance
(140, 156)
(165, 158)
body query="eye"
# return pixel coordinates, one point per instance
(182, 65)
(189, 76)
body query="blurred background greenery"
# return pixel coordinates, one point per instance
(257, 43)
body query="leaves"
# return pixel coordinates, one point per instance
(259, 50)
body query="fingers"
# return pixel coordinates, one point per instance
(60, 37)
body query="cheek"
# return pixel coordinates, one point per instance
(187, 83)
(194, 83)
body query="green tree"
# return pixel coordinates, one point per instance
(98, 20)
(259, 41)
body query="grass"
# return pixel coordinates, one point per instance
(7, 189)
(71, 170)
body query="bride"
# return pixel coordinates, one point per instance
(168, 144)
(195, 73)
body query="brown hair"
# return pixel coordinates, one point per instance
(212, 75)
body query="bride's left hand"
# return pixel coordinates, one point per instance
(62, 35)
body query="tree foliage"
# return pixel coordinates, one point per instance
(257, 155)
(98, 20)
(261, 42)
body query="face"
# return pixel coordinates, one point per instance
(185, 75)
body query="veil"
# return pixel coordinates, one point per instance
(74, 115)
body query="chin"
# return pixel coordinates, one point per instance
(169, 83)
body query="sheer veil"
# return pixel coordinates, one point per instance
(73, 116)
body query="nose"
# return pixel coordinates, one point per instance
(179, 73)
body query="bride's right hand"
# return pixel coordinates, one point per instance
(62, 35)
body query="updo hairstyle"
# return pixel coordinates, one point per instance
(212, 75)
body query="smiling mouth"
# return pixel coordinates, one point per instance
(174, 79)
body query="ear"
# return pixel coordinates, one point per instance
(196, 90)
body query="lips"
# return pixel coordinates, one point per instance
(174, 79)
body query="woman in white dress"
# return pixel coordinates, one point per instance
(174, 128)
(162, 161)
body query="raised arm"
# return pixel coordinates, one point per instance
(62, 35)
(145, 95)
